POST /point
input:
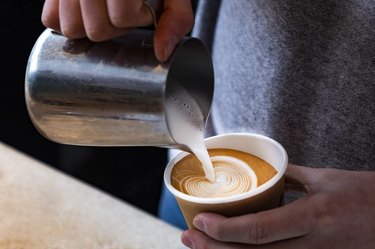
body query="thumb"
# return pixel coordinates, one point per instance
(304, 179)
(175, 22)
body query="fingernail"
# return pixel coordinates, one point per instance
(198, 223)
(169, 48)
(187, 241)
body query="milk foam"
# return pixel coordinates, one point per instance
(186, 125)
(233, 176)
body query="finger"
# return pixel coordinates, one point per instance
(96, 21)
(195, 239)
(290, 221)
(301, 178)
(175, 22)
(50, 15)
(71, 23)
(128, 14)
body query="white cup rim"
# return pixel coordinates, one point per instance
(215, 200)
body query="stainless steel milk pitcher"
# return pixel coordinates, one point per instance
(111, 93)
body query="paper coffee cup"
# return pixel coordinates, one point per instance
(268, 195)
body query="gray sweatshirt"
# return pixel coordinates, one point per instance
(301, 72)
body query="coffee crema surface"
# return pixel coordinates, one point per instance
(236, 172)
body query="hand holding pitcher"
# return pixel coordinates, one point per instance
(105, 19)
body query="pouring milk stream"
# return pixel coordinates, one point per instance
(186, 124)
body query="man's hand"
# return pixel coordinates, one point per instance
(338, 212)
(101, 20)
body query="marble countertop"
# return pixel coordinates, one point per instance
(41, 207)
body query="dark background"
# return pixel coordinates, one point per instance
(127, 172)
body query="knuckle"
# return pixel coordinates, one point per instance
(95, 37)
(323, 207)
(324, 211)
(120, 21)
(71, 33)
(123, 17)
(217, 232)
(50, 21)
(97, 34)
(257, 232)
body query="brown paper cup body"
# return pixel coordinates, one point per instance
(269, 199)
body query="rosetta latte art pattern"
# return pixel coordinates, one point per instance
(233, 176)
(236, 172)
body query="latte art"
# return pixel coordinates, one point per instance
(236, 172)
(233, 176)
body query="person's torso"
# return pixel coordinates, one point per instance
(301, 72)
